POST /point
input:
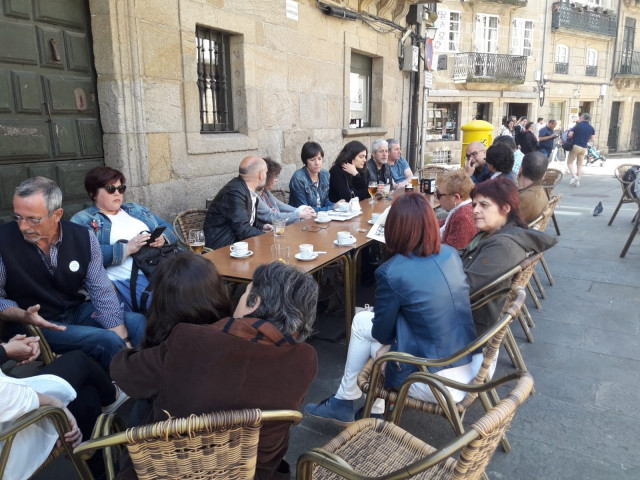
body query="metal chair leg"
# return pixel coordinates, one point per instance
(534, 297)
(525, 327)
(631, 237)
(616, 210)
(536, 279)
(516, 356)
(547, 271)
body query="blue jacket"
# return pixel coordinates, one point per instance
(93, 219)
(302, 191)
(422, 308)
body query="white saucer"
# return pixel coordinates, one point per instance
(323, 221)
(335, 242)
(371, 222)
(306, 259)
(247, 255)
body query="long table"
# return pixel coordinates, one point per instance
(241, 269)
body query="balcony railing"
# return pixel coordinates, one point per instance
(562, 68)
(629, 63)
(489, 68)
(564, 15)
(516, 3)
(592, 71)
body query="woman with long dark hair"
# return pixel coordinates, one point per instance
(422, 308)
(348, 176)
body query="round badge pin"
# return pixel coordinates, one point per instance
(74, 266)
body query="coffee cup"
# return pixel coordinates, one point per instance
(306, 250)
(323, 217)
(343, 206)
(345, 238)
(354, 205)
(240, 249)
(375, 217)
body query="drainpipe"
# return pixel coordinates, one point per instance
(415, 110)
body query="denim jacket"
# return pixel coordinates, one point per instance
(302, 191)
(97, 221)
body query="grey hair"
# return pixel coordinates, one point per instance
(586, 116)
(391, 142)
(375, 146)
(288, 298)
(49, 189)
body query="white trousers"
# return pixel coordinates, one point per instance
(363, 346)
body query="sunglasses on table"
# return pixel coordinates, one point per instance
(111, 189)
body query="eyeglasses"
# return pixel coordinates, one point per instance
(473, 154)
(313, 228)
(30, 220)
(111, 189)
(440, 195)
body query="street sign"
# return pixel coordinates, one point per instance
(428, 54)
(428, 80)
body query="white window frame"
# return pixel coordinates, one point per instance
(522, 37)
(487, 33)
(592, 57)
(360, 87)
(448, 34)
(562, 53)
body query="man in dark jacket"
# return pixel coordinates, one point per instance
(231, 217)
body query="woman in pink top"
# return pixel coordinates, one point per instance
(453, 188)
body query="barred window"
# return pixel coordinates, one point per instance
(522, 37)
(214, 80)
(448, 35)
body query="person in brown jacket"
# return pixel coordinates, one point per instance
(533, 199)
(256, 359)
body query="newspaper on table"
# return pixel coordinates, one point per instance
(377, 231)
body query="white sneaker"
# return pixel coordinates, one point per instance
(573, 181)
(577, 184)
(121, 397)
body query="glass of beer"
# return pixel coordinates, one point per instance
(373, 188)
(196, 241)
(415, 181)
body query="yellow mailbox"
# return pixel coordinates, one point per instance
(476, 131)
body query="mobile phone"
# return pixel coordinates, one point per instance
(155, 234)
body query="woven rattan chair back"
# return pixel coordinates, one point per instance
(219, 445)
(372, 448)
(431, 171)
(371, 381)
(626, 196)
(551, 178)
(188, 220)
(542, 221)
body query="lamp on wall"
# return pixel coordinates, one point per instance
(431, 32)
(576, 92)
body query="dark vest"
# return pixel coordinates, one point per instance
(29, 281)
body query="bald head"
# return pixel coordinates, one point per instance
(253, 171)
(476, 153)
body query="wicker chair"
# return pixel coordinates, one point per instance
(626, 195)
(432, 171)
(551, 178)
(634, 230)
(61, 424)
(189, 220)
(219, 445)
(371, 380)
(372, 448)
(540, 224)
(46, 353)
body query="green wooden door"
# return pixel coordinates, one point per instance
(49, 122)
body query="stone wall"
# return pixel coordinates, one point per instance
(289, 79)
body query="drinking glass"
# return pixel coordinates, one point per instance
(278, 227)
(280, 253)
(373, 188)
(196, 241)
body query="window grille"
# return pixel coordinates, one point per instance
(214, 83)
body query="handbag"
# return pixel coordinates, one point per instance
(147, 260)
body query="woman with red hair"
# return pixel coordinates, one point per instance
(422, 308)
(502, 243)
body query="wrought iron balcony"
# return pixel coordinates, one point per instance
(515, 3)
(489, 68)
(566, 15)
(562, 68)
(592, 71)
(629, 63)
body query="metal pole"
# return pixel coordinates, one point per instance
(415, 107)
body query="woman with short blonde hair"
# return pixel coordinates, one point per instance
(453, 189)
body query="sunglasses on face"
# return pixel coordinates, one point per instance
(440, 195)
(111, 189)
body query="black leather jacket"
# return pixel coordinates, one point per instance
(229, 216)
